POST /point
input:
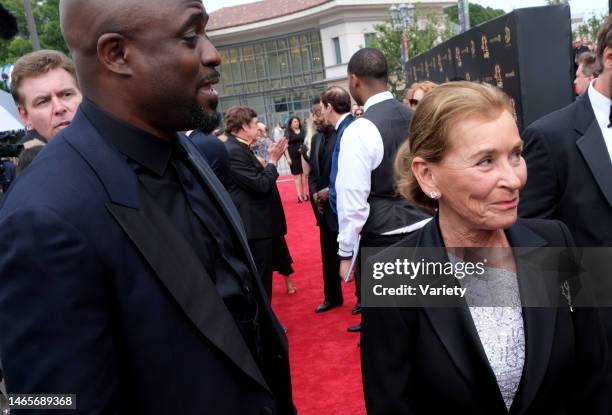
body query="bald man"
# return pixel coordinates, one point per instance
(125, 274)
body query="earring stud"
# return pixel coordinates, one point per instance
(434, 195)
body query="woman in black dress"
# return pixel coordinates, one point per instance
(295, 138)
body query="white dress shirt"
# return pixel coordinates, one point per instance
(601, 108)
(361, 151)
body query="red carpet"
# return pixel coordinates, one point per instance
(325, 367)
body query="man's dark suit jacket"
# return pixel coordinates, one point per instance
(101, 297)
(318, 178)
(570, 173)
(215, 153)
(253, 190)
(429, 360)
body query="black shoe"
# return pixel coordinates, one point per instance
(326, 306)
(354, 329)
(357, 309)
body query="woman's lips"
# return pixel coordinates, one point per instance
(507, 204)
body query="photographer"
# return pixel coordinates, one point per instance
(44, 87)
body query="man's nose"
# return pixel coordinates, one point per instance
(59, 107)
(209, 55)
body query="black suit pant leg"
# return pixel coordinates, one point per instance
(332, 285)
(262, 250)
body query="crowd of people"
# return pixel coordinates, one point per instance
(139, 240)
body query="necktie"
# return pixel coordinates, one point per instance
(610, 117)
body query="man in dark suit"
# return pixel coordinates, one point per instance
(568, 155)
(253, 190)
(125, 273)
(320, 166)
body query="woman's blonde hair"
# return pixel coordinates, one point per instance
(425, 86)
(437, 114)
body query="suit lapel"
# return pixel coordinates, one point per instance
(455, 329)
(192, 288)
(216, 188)
(229, 209)
(595, 153)
(539, 322)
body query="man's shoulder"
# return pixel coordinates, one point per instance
(208, 144)
(562, 121)
(200, 136)
(58, 178)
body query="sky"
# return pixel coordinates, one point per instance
(577, 6)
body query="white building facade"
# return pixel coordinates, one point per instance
(279, 55)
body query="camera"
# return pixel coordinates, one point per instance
(8, 151)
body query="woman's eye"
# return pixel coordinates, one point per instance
(484, 162)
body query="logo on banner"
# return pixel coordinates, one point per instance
(507, 36)
(498, 76)
(484, 45)
(458, 56)
(473, 48)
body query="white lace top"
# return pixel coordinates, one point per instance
(500, 328)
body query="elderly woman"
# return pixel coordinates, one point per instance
(464, 161)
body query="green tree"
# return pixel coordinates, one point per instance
(431, 28)
(46, 15)
(590, 27)
(478, 14)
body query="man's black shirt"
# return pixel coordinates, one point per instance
(164, 170)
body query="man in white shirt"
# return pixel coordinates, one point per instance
(368, 204)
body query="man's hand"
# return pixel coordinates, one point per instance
(275, 151)
(323, 194)
(345, 264)
(320, 198)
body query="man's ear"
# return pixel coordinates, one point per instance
(607, 58)
(113, 53)
(23, 114)
(354, 80)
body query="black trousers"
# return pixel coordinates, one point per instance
(373, 241)
(332, 284)
(263, 254)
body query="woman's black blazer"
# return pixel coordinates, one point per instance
(430, 360)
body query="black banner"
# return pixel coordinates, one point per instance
(504, 52)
